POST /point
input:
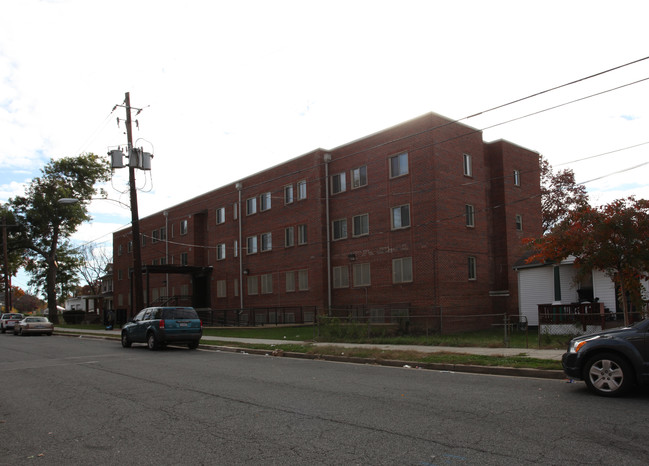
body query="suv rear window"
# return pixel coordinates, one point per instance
(176, 314)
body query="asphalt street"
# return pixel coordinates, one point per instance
(89, 401)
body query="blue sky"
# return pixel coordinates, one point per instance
(231, 88)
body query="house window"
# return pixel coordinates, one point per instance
(183, 227)
(468, 166)
(338, 183)
(361, 225)
(155, 236)
(472, 268)
(253, 286)
(361, 274)
(235, 249)
(221, 288)
(517, 178)
(155, 262)
(143, 240)
(163, 234)
(163, 261)
(252, 244)
(120, 274)
(469, 214)
(220, 251)
(402, 270)
(401, 217)
(399, 165)
(236, 286)
(290, 281)
(301, 190)
(220, 215)
(267, 283)
(301, 234)
(340, 229)
(289, 237)
(251, 206)
(235, 211)
(303, 280)
(288, 194)
(519, 222)
(266, 241)
(119, 250)
(264, 201)
(129, 247)
(359, 177)
(341, 276)
(183, 258)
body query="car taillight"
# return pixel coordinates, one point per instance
(201, 324)
(162, 323)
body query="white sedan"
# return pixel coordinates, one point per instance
(34, 325)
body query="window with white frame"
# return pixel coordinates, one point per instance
(129, 246)
(402, 270)
(266, 241)
(469, 214)
(143, 240)
(517, 178)
(155, 236)
(301, 190)
(361, 274)
(251, 244)
(183, 258)
(221, 289)
(338, 183)
(163, 261)
(264, 201)
(220, 215)
(303, 280)
(289, 237)
(400, 216)
(120, 249)
(288, 194)
(361, 225)
(163, 234)
(235, 210)
(399, 165)
(467, 165)
(339, 228)
(341, 276)
(235, 286)
(253, 285)
(359, 177)
(251, 206)
(183, 227)
(472, 268)
(267, 283)
(290, 281)
(120, 274)
(220, 251)
(235, 249)
(519, 222)
(302, 234)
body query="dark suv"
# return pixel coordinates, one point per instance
(157, 326)
(610, 362)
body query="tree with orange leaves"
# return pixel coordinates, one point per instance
(613, 238)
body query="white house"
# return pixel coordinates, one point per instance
(555, 284)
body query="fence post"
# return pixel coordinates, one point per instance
(506, 324)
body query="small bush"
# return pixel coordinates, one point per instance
(73, 317)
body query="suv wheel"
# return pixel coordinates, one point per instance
(193, 344)
(126, 341)
(151, 342)
(608, 374)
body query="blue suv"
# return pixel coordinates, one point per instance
(158, 326)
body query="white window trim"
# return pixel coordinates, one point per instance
(342, 183)
(399, 263)
(268, 198)
(353, 180)
(270, 242)
(401, 172)
(220, 212)
(400, 207)
(469, 214)
(333, 229)
(467, 165)
(354, 234)
(299, 195)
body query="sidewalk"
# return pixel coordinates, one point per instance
(529, 352)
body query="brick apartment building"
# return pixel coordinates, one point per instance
(420, 216)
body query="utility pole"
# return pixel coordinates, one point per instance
(135, 220)
(7, 276)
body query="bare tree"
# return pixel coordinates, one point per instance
(92, 267)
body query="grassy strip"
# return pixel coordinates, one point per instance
(410, 356)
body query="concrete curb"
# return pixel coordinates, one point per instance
(465, 368)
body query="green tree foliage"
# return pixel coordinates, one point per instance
(45, 223)
(559, 195)
(613, 238)
(15, 246)
(68, 261)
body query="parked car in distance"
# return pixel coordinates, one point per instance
(34, 325)
(9, 320)
(158, 326)
(612, 361)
